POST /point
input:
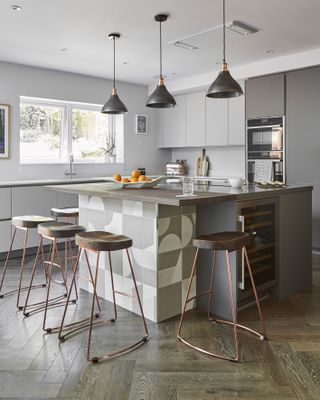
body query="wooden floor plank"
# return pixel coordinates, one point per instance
(285, 367)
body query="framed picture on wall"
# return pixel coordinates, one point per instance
(141, 124)
(4, 131)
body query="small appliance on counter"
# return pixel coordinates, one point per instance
(177, 168)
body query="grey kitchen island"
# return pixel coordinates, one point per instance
(163, 226)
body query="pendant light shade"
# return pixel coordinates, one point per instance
(224, 86)
(114, 105)
(161, 98)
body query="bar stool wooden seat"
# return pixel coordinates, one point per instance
(52, 231)
(227, 242)
(22, 223)
(66, 212)
(97, 242)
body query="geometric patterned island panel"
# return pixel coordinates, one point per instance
(162, 252)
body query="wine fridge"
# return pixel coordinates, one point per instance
(259, 219)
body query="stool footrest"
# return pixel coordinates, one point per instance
(246, 328)
(126, 295)
(120, 352)
(199, 295)
(68, 328)
(41, 285)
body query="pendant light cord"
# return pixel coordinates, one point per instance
(114, 62)
(224, 30)
(160, 50)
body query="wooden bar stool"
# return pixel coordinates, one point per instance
(52, 231)
(66, 212)
(97, 242)
(69, 214)
(23, 223)
(227, 242)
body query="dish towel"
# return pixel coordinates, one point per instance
(263, 171)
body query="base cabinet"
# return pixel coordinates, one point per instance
(5, 235)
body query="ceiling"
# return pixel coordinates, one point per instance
(36, 34)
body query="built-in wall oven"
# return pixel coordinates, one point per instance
(266, 141)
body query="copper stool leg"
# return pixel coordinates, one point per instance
(57, 301)
(112, 285)
(78, 325)
(92, 323)
(233, 309)
(134, 345)
(211, 284)
(20, 288)
(255, 295)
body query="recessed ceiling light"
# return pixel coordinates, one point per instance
(270, 51)
(14, 7)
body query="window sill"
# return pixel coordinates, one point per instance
(26, 163)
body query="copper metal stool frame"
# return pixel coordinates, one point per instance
(234, 319)
(70, 214)
(20, 288)
(68, 328)
(57, 301)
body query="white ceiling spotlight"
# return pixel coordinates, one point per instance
(15, 7)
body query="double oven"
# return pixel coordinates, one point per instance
(266, 141)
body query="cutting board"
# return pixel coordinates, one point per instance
(202, 165)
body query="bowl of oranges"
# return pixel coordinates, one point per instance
(136, 180)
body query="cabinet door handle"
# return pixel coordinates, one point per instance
(241, 283)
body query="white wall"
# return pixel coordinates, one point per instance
(139, 150)
(224, 161)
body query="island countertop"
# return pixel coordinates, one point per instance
(168, 194)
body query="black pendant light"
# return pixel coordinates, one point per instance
(114, 105)
(224, 86)
(161, 98)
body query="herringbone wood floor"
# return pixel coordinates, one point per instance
(287, 366)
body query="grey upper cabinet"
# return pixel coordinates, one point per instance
(174, 124)
(237, 120)
(216, 122)
(195, 119)
(265, 96)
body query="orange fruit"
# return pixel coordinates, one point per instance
(125, 180)
(117, 177)
(142, 178)
(133, 180)
(135, 173)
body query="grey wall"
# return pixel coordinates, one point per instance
(303, 136)
(139, 150)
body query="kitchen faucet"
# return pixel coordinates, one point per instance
(71, 171)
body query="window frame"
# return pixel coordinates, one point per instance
(66, 133)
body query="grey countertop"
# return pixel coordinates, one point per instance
(167, 193)
(37, 182)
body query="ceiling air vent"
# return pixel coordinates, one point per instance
(213, 36)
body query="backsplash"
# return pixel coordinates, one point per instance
(224, 161)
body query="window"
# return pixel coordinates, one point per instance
(52, 130)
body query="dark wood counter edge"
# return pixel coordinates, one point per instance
(168, 197)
